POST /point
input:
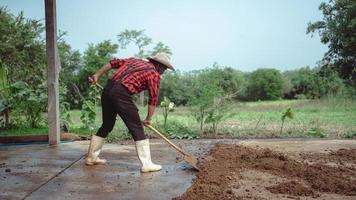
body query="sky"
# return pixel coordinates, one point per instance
(243, 34)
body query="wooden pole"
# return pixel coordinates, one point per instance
(52, 72)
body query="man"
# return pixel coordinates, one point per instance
(132, 77)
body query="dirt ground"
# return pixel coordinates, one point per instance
(276, 170)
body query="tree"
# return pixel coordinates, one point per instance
(95, 56)
(265, 84)
(177, 87)
(338, 30)
(22, 48)
(204, 91)
(231, 81)
(71, 63)
(22, 59)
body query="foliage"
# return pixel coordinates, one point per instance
(30, 102)
(217, 114)
(176, 130)
(350, 134)
(95, 56)
(142, 42)
(88, 114)
(316, 132)
(71, 64)
(232, 82)
(314, 83)
(265, 84)
(337, 29)
(168, 107)
(204, 89)
(22, 48)
(177, 87)
(286, 114)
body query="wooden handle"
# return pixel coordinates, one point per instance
(167, 140)
(99, 86)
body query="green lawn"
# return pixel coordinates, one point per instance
(333, 118)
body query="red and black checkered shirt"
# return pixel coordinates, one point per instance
(137, 81)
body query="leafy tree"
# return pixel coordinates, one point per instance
(205, 91)
(265, 84)
(302, 81)
(338, 30)
(95, 56)
(231, 81)
(315, 83)
(176, 86)
(22, 48)
(22, 59)
(218, 113)
(71, 63)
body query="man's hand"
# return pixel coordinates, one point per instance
(146, 122)
(93, 79)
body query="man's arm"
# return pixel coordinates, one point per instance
(150, 111)
(153, 90)
(94, 78)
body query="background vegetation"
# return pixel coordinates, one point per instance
(316, 101)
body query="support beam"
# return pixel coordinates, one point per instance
(52, 72)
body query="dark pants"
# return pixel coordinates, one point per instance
(117, 100)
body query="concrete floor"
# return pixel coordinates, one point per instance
(43, 172)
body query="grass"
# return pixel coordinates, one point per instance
(336, 117)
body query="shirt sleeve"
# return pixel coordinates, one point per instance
(153, 90)
(117, 63)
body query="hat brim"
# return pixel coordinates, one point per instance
(166, 64)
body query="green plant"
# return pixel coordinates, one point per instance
(287, 114)
(316, 132)
(178, 131)
(168, 107)
(88, 114)
(217, 114)
(350, 134)
(29, 102)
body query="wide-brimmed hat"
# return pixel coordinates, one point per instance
(162, 58)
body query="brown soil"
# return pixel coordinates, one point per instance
(223, 174)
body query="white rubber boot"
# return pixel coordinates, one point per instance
(144, 154)
(94, 150)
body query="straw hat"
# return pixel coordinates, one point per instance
(162, 58)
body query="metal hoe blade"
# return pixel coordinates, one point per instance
(189, 158)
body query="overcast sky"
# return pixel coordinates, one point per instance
(244, 34)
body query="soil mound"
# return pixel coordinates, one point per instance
(222, 168)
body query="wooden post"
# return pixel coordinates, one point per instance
(52, 72)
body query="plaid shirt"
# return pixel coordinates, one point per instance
(137, 81)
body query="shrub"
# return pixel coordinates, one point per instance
(350, 134)
(316, 132)
(178, 131)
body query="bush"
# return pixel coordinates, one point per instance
(316, 132)
(350, 134)
(265, 84)
(178, 131)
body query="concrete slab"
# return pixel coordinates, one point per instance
(42, 172)
(25, 168)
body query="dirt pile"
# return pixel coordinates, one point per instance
(222, 170)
